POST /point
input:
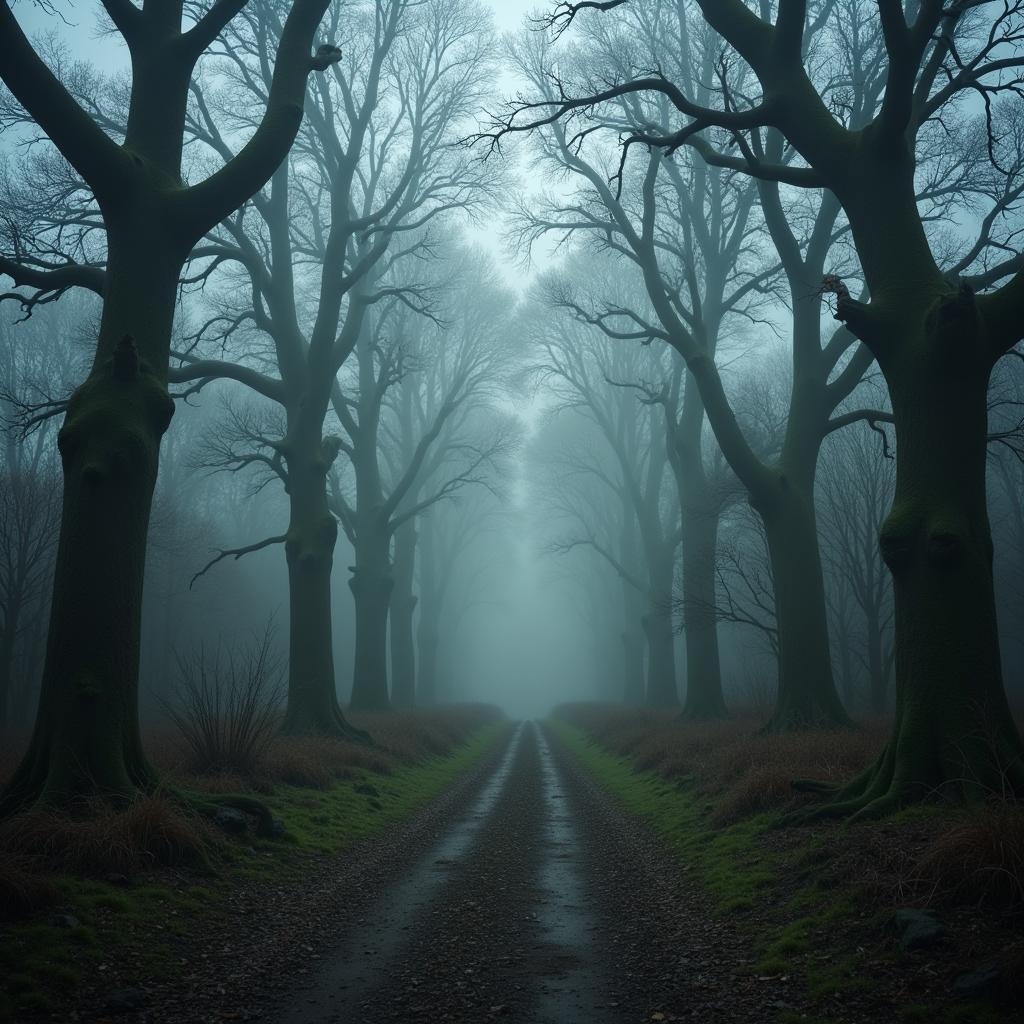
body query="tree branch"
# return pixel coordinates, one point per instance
(237, 553)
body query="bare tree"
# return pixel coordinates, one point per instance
(86, 739)
(440, 447)
(689, 227)
(373, 170)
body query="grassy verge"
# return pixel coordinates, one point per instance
(814, 907)
(118, 916)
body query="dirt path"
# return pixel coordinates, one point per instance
(533, 906)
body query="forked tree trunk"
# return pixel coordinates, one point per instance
(403, 609)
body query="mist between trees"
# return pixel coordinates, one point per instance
(686, 376)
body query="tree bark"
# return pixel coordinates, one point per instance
(403, 609)
(807, 696)
(371, 584)
(313, 707)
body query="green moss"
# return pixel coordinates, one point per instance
(740, 870)
(730, 862)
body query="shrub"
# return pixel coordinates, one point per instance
(227, 708)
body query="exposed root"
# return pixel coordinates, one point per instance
(815, 786)
(334, 725)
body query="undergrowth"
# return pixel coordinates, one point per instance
(812, 900)
(80, 892)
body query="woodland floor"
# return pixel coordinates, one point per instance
(539, 887)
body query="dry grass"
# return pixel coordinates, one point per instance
(399, 737)
(977, 858)
(100, 840)
(97, 840)
(746, 771)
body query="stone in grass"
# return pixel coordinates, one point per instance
(919, 929)
(230, 820)
(125, 1000)
(981, 983)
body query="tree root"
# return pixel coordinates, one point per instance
(815, 786)
(336, 727)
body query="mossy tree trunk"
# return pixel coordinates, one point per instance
(86, 740)
(954, 734)
(312, 535)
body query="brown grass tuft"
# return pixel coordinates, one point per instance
(732, 760)
(160, 830)
(102, 840)
(978, 858)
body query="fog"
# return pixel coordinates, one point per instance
(528, 498)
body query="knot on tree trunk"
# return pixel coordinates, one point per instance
(125, 364)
